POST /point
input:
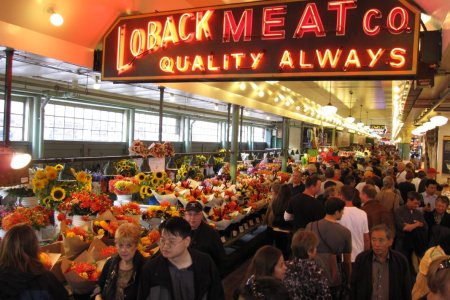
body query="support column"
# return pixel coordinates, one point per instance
(228, 126)
(300, 147)
(8, 82)
(130, 117)
(234, 142)
(187, 134)
(161, 101)
(333, 137)
(35, 126)
(404, 150)
(40, 145)
(285, 143)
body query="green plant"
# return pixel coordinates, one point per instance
(20, 192)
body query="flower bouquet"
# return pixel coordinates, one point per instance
(85, 204)
(75, 239)
(161, 150)
(121, 185)
(156, 213)
(38, 217)
(139, 148)
(126, 167)
(147, 246)
(128, 211)
(81, 274)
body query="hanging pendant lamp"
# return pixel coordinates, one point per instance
(329, 109)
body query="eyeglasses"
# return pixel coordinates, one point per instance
(169, 243)
(444, 265)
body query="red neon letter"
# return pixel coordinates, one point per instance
(398, 54)
(286, 60)
(397, 11)
(154, 35)
(341, 7)
(310, 22)
(182, 27)
(366, 21)
(374, 56)
(202, 25)
(327, 57)
(269, 22)
(170, 33)
(230, 27)
(352, 59)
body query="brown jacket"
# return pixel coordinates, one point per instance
(378, 214)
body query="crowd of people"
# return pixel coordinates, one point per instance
(357, 229)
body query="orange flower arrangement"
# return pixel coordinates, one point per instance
(77, 232)
(85, 203)
(131, 208)
(38, 217)
(106, 228)
(85, 270)
(108, 251)
(151, 238)
(124, 185)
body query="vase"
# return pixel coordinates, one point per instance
(38, 235)
(123, 199)
(82, 221)
(30, 202)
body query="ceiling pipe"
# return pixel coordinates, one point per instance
(442, 97)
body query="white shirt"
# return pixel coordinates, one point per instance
(401, 177)
(360, 186)
(355, 220)
(431, 199)
(416, 182)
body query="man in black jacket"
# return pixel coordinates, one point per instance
(381, 273)
(179, 272)
(203, 237)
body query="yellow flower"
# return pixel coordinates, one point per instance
(143, 191)
(51, 173)
(59, 167)
(159, 175)
(97, 223)
(84, 275)
(40, 174)
(140, 177)
(175, 213)
(47, 202)
(101, 232)
(103, 224)
(155, 182)
(82, 177)
(39, 184)
(70, 234)
(58, 193)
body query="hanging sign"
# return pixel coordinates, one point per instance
(266, 40)
(378, 129)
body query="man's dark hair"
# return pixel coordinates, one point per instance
(348, 192)
(311, 181)
(334, 204)
(443, 199)
(329, 172)
(414, 195)
(431, 181)
(349, 179)
(329, 184)
(176, 226)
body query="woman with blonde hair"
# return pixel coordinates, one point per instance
(22, 275)
(120, 275)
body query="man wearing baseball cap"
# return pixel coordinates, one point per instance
(203, 237)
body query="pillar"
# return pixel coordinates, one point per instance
(285, 144)
(234, 142)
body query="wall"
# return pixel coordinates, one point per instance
(443, 131)
(294, 137)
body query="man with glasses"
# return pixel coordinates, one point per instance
(203, 237)
(179, 272)
(381, 273)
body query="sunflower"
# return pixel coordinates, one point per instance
(59, 167)
(47, 201)
(40, 174)
(155, 182)
(82, 177)
(58, 193)
(51, 173)
(141, 176)
(143, 191)
(159, 175)
(39, 184)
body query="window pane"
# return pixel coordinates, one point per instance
(146, 127)
(205, 131)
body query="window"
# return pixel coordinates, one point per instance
(245, 136)
(16, 127)
(146, 127)
(259, 134)
(205, 131)
(66, 122)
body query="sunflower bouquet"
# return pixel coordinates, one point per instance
(51, 192)
(126, 167)
(121, 185)
(186, 171)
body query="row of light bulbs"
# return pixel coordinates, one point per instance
(434, 122)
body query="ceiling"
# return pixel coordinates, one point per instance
(63, 57)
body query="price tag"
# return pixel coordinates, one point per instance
(234, 233)
(223, 239)
(241, 228)
(257, 220)
(251, 223)
(246, 226)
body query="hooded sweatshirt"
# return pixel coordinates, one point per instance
(24, 286)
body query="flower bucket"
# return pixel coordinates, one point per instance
(122, 199)
(82, 221)
(2, 233)
(28, 201)
(171, 198)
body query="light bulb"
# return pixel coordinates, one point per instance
(56, 19)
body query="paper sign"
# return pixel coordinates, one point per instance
(157, 164)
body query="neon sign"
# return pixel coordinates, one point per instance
(289, 40)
